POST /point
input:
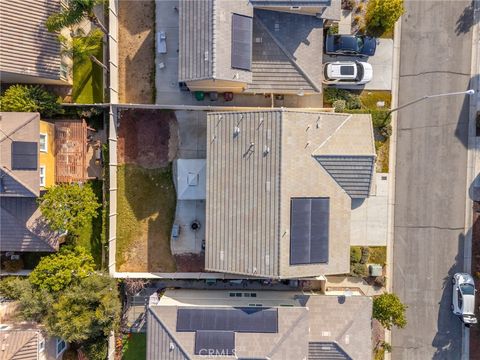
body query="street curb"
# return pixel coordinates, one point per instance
(391, 167)
(472, 159)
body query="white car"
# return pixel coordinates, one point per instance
(463, 298)
(347, 72)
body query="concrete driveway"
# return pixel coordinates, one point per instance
(381, 62)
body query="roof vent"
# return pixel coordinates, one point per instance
(172, 346)
(266, 150)
(277, 26)
(236, 131)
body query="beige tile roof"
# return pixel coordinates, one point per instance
(256, 163)
(18, 344)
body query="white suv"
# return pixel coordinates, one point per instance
(347, 72)
(463, 298)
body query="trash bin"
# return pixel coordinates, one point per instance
(199, 95)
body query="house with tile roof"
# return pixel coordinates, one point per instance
(280, 185)
(274, 325)
(253, 47)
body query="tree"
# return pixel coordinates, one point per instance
(86, 311)
(74, 13)
(382, 14)
(81, 46)
(24, 98)
(69, 207)
(389, 311)
(58, 271)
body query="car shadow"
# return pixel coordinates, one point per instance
(448, 339)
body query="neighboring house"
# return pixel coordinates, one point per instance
(274, 325)
(29, 342)
(280, 185)
(22, 228)
(255, 47)
(28, 52)
(47, 154)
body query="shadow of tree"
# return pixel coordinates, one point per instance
(466, 20)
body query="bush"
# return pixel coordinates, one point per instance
(359, 270)
(12, 266)
(339, 105)
(354, 102)
(24, 98)
(355, 254)
(389, 311)
(380, 118)
(96, 349)
(382, 14)
(332, 94)
(332, 30)
(365, 254)
(380, 281)
(348, 4)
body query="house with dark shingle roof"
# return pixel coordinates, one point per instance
(273, 325)
(254, 47)
(280, 185)
(22, 228)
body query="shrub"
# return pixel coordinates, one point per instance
(355, 254)
(348, 4)
(24, 98)
(339, 105)
(389, 311)
(382, 14)
(359, 8)
(359, 270)
(365, 254)
(12, 266)
(380, 281)
(380, 118)
(357, 19)
(386, 131)
(352, 100)
(96, 349)
(332, 30)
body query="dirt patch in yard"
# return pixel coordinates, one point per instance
(147, 138)
(190, 262)
(136, 51)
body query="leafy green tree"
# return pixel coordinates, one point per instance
(69, 207)
(382, 14)
(86, 311)
(74, 13)
(96, 349)
(58, 271)
(389, 311)
(83, 46)
(25, 98)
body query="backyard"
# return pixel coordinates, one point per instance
(146, 199)
(135, 347)
(87, 81)
(136, 51)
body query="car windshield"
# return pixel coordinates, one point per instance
(467, 289)
(359, 43)
(359, 72)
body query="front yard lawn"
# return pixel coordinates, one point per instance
(369, 99)
(93, 236)
(136, 347)
(146, 205)
(88, 81)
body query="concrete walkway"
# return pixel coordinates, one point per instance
(350, 282)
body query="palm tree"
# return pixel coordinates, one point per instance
(83, 46)
(74, 13)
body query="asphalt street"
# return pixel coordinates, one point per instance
(431, 172)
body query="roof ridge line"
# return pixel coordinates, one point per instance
(287, 53)
(332, 134)
(7, 136)
(11, 174)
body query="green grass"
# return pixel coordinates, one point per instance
(88, 81)
(146, 203)
(377, 255)
(135, 347)
(93, 236)
(369, 99)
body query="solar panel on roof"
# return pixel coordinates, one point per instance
(214, 342)
(24, 155)
(254, 320)
(242, 42)
(309, 222)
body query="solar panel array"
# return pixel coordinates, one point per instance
(309, 230)
(242, 28)
(251, 320)
(24, 155)
(214, 342)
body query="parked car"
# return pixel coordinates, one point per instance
(357, 45)
(463, 298)
(347, 72)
